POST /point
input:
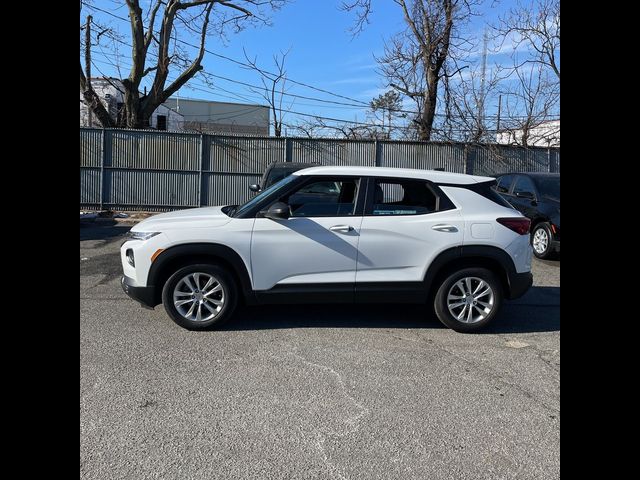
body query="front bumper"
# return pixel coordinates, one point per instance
(145, 295)
(519, 283)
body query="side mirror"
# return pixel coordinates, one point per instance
(254, 187)
(528, 195)
(278, 211)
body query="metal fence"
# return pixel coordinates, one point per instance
(150, 170)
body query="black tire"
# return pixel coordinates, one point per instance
(229, 294)
(545, 229)
(441, 306)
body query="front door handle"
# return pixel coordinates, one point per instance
(444, 228)
(341, 228)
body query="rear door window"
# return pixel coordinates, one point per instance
(402, 197)
(524, 184)
(504, 183)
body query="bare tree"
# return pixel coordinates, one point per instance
(273, 90)
(318, 126)
(466, 98)
(414, 60)
(529, 103)
(532, 31)
(385, 108)
(155, 33)
(535, 26)
(306, 128)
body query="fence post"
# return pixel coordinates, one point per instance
(469, 158)
(201, 167)
(378, 153)
(102, 155)
(552, 160)
(288, 149)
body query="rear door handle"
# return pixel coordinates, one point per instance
(444, 228)
(341, 228)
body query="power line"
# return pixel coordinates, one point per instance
(209, 91)
(283, 93)
(237, 61)
(360, 124)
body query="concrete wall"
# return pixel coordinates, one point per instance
(221, 117)
(546, 134)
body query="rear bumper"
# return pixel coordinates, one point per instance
(519, 283)
(145, 295)
(555, 245)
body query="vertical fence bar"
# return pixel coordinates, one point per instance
(552, 160)
(288, 149)
(378, 153)
(103, 143)
(469, 158)
(201, 166)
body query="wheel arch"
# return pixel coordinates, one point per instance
(456, 258)
(537, 221)
(179, 256)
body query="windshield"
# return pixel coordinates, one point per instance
(263, 194)
(549, 187)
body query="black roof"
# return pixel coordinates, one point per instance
(294, 164)
(531, 174)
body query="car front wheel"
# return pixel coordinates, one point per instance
(199, 296)
(467, 300)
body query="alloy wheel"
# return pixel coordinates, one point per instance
(540, 240)
(199, 297)
(470, 300)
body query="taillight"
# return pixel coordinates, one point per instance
(520, 225)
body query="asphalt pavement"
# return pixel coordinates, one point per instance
(314, 392)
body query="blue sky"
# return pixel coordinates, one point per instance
(323, 53)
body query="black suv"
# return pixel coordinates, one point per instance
(537, 196)
(277, 171)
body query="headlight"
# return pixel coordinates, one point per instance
(141, 235)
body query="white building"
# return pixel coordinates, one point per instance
(221, 117)
(545, 134)
(111, 93)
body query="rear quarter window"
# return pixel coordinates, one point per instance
(488, 191)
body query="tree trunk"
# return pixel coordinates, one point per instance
(94, 105)
(429, 110)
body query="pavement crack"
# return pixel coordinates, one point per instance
(352, 423)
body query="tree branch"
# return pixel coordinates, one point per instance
(93, 102)
(195, 66)
(152, 20)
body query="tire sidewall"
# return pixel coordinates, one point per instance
(547, 252)
(228, 285)
(440, 300)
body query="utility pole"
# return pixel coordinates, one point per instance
(482, 85)
(87, 61)
(499, 108)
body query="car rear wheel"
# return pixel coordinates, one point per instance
(541, 240)
(467, 300)
(200, 296)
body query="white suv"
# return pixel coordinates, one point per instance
(337, 234)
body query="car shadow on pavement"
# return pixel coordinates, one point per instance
(104, 230)
(537, 311)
